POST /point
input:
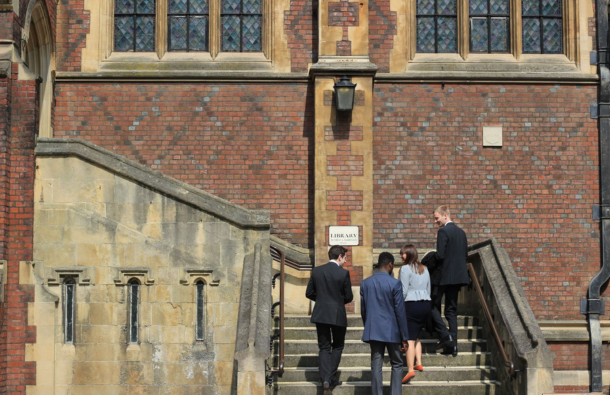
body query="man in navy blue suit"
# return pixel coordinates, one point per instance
(385, 323)
(331, 288)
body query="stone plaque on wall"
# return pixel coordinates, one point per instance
(343, 235)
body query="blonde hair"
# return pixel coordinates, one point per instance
(412, 258)
(443, 210)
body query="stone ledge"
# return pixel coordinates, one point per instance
(181, 76)
(514, 77)
(571, 330)
(237, 215)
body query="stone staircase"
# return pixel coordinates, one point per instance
(470, 373)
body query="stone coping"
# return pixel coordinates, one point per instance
(126, 168)
(513, 77)
(182, 76)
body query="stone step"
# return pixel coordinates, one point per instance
(364, 359)
(356, 346)
(357, 374)
(353, 320)
(355, 333)
(474, 387)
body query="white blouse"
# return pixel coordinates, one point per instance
(415, 286)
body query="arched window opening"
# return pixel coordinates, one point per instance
(200, 327)
(38, 56)
(133, 311)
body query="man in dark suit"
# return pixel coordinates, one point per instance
(382, 308)
(449, 275)
(330, 287)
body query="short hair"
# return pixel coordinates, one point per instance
(385, 258)
(336, 251)
(443, 210)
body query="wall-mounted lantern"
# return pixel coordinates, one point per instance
(344, 94)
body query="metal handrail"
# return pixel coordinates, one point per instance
(508, 364)
(275, 252)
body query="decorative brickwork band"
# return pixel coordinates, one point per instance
(343, 132)
(344, 48)
(343, 14)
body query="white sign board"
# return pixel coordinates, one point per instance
(343, 236)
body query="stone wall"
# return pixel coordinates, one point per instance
(102, 224)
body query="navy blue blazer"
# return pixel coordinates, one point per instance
(383, 309)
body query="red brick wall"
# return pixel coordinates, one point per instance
(301, 27)
(251, 144)
(534, 194)
(15, 372)
(382, 28)
(72, 27)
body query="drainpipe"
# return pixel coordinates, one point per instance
(593, 306)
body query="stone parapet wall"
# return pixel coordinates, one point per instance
(103, 229)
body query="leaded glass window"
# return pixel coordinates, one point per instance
(489, 26)
(188, 25)
(134, 25)
(134, 310)
(69, 299)
(241, 25)
(542, 26)
(200, 311)
(437, 26)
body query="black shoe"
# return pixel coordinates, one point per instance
(451, 350)
(445, 342)
(326, 387)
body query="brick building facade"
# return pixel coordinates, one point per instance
(259, 130)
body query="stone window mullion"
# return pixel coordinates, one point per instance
(214, 35)
(161, 33)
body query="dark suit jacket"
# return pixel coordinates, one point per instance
(451, 254)
(330, 287)
(382, 307)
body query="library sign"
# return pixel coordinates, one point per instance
(343, 235)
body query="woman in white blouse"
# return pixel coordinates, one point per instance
(416, 292)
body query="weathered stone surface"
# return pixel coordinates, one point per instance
(104, 221)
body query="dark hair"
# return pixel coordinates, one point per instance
(336, 251)
(385, 258)
(412, 258)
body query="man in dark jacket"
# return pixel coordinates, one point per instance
(330, 287)
(449, 275)
(382, 308)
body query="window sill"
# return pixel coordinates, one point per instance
(185, 61)
(496, 63)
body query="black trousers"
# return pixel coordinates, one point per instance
(331, 340)
(451, 293)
